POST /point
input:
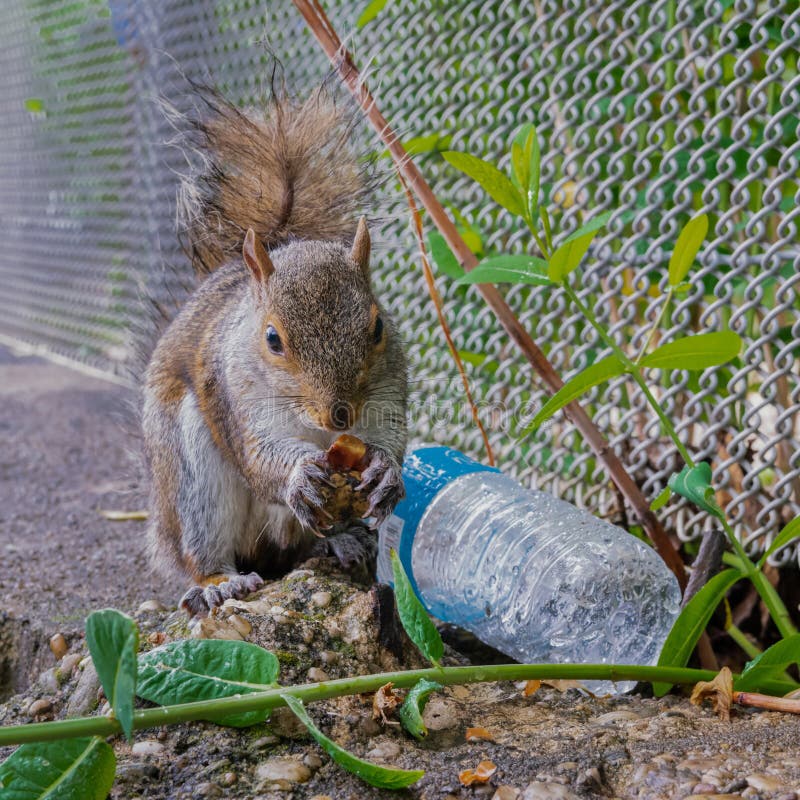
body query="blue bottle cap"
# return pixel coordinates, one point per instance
(426, 471)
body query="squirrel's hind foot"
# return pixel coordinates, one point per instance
(356, 549)
(200, 601)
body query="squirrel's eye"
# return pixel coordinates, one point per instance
(274, 342)
(378, 334)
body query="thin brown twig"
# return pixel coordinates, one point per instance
(323, 31)
(787, 704)
(437, 302)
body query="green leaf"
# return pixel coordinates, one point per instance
(381, 777)
(692, 622)
(695, 352)
(593, 225)
(769, 665)
(661, 500)
(413, 615)
(479, 360)
(497, 185)
(69, 769)
(599, 372)
(686, 248)
(370, 12)
(34, 104)
(432, 143)
(694, 483)
(508, 269)
(410, 713)
(443, 256)
(113, 640)
(567, 257)
(526, 165)
(205, 669)
(790, 531)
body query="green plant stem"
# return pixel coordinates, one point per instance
(310, 692)
(539, 243)
(655, 326)
(736, 634)
(633, 369)
(739, 559)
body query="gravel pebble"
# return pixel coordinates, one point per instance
(317, 675)
(151, 605)
(40, 707)
(547, 791)
(58, 645)
(321, 599)
(765, 783)
(148, 747)
(283, 769)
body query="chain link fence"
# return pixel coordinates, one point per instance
(656, 107)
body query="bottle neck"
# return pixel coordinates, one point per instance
(426, 472)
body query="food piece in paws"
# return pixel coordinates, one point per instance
(346, 457)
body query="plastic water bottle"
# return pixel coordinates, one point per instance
(531, 575)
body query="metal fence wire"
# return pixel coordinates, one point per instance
(658, 107)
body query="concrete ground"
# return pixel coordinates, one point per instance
(64, 455)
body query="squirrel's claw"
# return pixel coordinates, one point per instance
(200, 601)
(303, 495)
(384, 480)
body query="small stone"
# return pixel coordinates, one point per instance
(317, 675)
(328, 657)
(312, 761)
(228, 779)
(283, 769)
(40, 707)
(208, 789)
(704, 788)
(264, 742)
(440, 715)
(765, 783)
(58, 645)
(105, 708)
(547, 791)
(615, 716)
(506, 792)
(321, 599)
(384, 750)
(787, 796)
(320, 797)
(147, 747)
(151, 605)
(240, 624)
(48, 680)
(137, 772)
(84, 697)
(308, 635)
(68, 664)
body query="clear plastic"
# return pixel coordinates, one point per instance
(539, 579)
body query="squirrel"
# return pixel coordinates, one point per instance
(281, 348)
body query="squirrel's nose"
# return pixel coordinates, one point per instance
(341, 416)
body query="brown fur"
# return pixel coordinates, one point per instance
(307, 183)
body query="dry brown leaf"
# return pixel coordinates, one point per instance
(480, 774)
(531, 687)
(719, 691)
(384, 702)
(121, 516)
(476, 734)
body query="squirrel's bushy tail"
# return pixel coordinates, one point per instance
(289, 170)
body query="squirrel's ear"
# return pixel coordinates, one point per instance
(361, 245)
(256, 257)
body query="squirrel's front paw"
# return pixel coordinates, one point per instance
(304, 495)
(383, 479)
